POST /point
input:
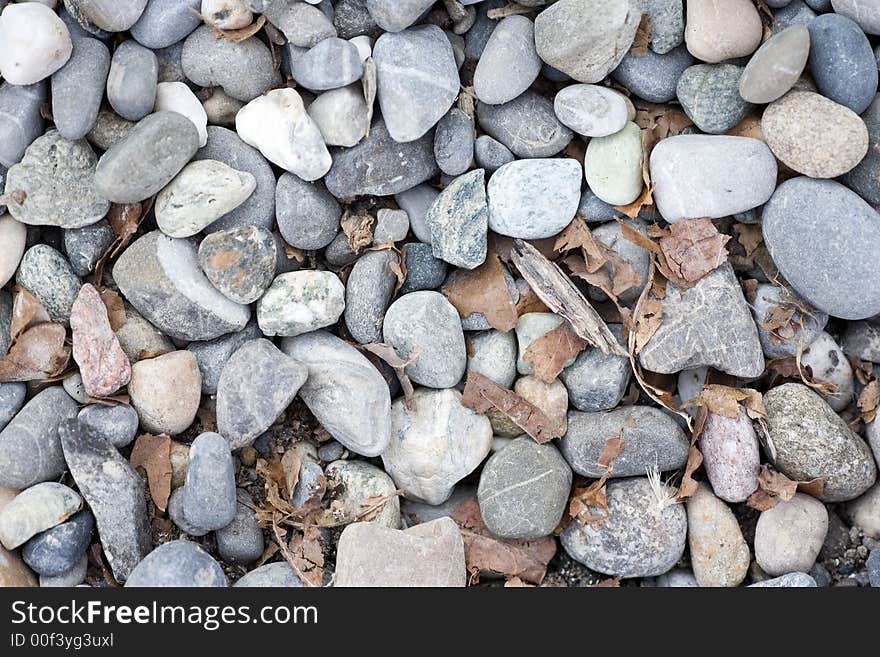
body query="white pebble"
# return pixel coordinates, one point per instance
(34, 43)
(178, 97)
(226, 14)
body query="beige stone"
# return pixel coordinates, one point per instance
(551, 398)
(788, 536)
(719, 553)
(722, 29)
(166, 392)
(13, 571)
(864, 511)
(12, 242)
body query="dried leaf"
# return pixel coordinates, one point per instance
(38, 354)
(868, 400)
(358, 228)
(642, 39)
(153, 454)
(726, 401)
(241, 34)
(689, 485)
(115, 309)
(27, 311)
(482, 394)
(774, 486)
(387, 353)
(693, 248)
(484, 290)
(304, 554)
(750, 236)
(524, 559)
(549, 353)
(584, 503)
(529, 302)
(633, 209)
(290, 466)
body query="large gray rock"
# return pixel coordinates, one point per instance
(177, 564)
(118, 424)
(527, 125)
(330, 64)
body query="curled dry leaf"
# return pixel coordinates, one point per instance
(303, 553)
(726, 401)
(642, 39)
(358, 228)
(38, 349)
(549, 353)
(387, 353)
(749, 236)
(774, 486)
(868, 400)
(646, 197)
(689, 485)
(529, 302)
(484, 552)
(153, 454)
(692, 249)
(483, 290)
(589, 504)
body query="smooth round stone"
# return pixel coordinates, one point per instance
(863, 178)
(165, 22)
(435, 444)
(271, 575)
(597, 381)
(613, 165)
(85, 246)
(423, 270)
(209, 497)
(591, 110)
(828, 363)
(338, 253)
(534, 199)
(427, 323)
(711, 176)
(34, 510)
(709, 95)
(864, 512)
(341, 115)
(368, 292)
(131, 84)
(259, 209)
(509, 63)
(57, 550)
(241, 541)
(640, 537)
(806, 326)
(299, 302)
(166, 391)
(416, 202)
(417, 80)
(176, 515)
(586, 39)
(529, 328)
(839, 232)
(667, 23)
(730, 456)
(147, 159)
(11, 400)
(139, 338)
(106, 15)
(302, 24)
(212, 355)
(788, 536)
(864, 12)
(652, 441)
(454, 142)
(117, 424)
(308, 215)
(653, 77)
(34, 43)
(493, 354)
(524, 489)
(344, 391)
(177, 563)
(396, 15)
(20, 119)
(13, 239)
(239, 262)
(330, 64)
(73, 577)
(776, 66)
(490, 154)
(719, 553)
(527, 125)
(78, 88)
(391, 226)
(842, 61)
(458, 220)
(808, 439)
(722, 29)
(362, 481)
(813, 135)
(791, 580)
(46, 274)
(244, 69)
(178, 97)
(73, 386)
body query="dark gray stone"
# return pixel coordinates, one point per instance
(368, 292)
(490, 154)
(863, 179)
(175, 513)
(165, 22)
(338, 253)
(5, 321)
(209, 500)
(21, 120)
(397, 15)
(454, 142)
(46, 274)
(271, 575)
(842, 61)
(423, 270)
(597, 381)
(308, 215)
(873, 566)
(57, 550)
(85, 246)
(330, 64)
(351, 18)
(654, 77)
(212, 355)
(478, 36)
(459, 221)
(862, 340)
(241, 541)
(118, 424)
(240, 262)
(177, 564)
(527, 125)
(11, 401)
(709, 95)
(73, 577)
(78, 88)
(170, 68)
(131, 83)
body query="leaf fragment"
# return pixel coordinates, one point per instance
(153, 454)
(549, 353)
(483, 290)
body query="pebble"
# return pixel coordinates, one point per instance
(178, 517)
(239, 262)
(613, 165)
(873, 565)
(597, 381)
(256, 386)
(73, 386)
(21, 120)
(640, 537)
(653, 77)
(862, 178)
(719, 553)
(550, 398)
(709, 95)
(166, 392)
(827, 362)
(118, 425)
(776, 66)
(241, 541)
(177, 564)
(458, 220)
(527, 125)
(139, 338)
(244, 70)
(864, 12)
(454, 142)
(842, 61)
(711, 176)
(591, 110)
(788, 536)
(423, 270)
(220, 109)
(147, 158)
(417, 80)
(430, 554)
(11, 400)
(730, 455)
(814, 135)
(796, 12)
(34, 43)
(73, 577)
(586, 39)
(109, 129)
(368, 292)
(344, 391)
(212, 355)
(331, 64)
(85, 246)
(862, 340)
(5, 321)
(58, 179)
(435, 444)
(519, 192)
(341, 115)
(35, 510)
(667, 23)
(396, 15)
(509, 63)
(302, 25)
(709, 324)
(524, 489)
(652, 440)
(46, 274)
(789, 580)
(278, 574)
(808, 439)
(165, 22)
(311, 482)
(836, 278)
(359, 482)
(391, 226)
(805, 326)
(723, 29)
(103, 365)
(226, 14)
(299, 302)
(380, 166)
(178, 97)
(106, 15)
(490, 154)
(59, 549)
(493, 354)
(426, 322)
(863, 512)
(209, 497)
(13, 239)
(416, 202)
(78, 88)
(331, 451)
(132, 81)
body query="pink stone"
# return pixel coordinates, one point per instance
(730, 456)
(103, 365)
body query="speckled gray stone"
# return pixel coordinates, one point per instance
(73, 577)
(524, 489)
(177, 563)
(796, 12)
(527, 125)
(790, 580)
(241, 541)
(591, 110)
(165, 22)
(308, 215)
(360, 481)
(368, 292)
(304, 25)
(597, 381)
(838, 230)
(300, 302)
(256, 386)
(131, 83)
(862, 340)
(789, 535)
(57, 550)
(491, 154)
(78, 88)
(21, 120)
(509, 63)
(653, 77)
(330, 64)
(709, 95)
(34, 510)
(806, 327)
(351, 18)
(311, 481)
(667, 23)
(46, 274)
(176, 515)
(459, 221)
(423, 270)
(391, 226)
(118, 424)
(209, 500)
(842, 61)
(427, 322)
(863, 179)
(12, 396)
(271, 575)
(85, 246)
(454, 142)
(109, 129)
(239, 262)
(105, 15)
(493, 354)
(212, 355)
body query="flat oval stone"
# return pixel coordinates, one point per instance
(490, 154)
(308, 215)
(591, 110)
(165, 22)
(20, 119)
(730, 455)
(709, 95)
(776, 66)
(613, 165)
(78, 88)
(57, 550)
(36, 509)
(301, 23)
(299, 302)
(147, 159)
(344, 391)
(209, 496)
(368, 292)
(46, 274)
(814, 135)
(534, 199)
(509, 63)
(34, 42)
(711, 176)
(653, 77)
(239, 262)
(118, 424)
(842, 61)
(131, 83)
(527, 125)
(863, 178)
(166, 391)
(839, 231)
(454, 142)
(459, 221)
(719, 553)
(341, 115)
(177, 564)
(330, 64)
(722, 29)
(789, 535)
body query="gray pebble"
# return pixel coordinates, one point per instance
(241, 541)
(46, 274)
(21, 120)
(789, 535)
(209, 500)
(331, 64)
(842, 61)
(177, 564)
(416, 202)
(308, 215)
(597, 381)
(85, 246)
(459, 221)
(109, 129)
(490, 154)
(478, 36)
(303, 24)
(165, 22)
(78, 88)
(308, 484)
(391, 226)
(212, 355)
(526, 125)
(57, 550)
(73, 577)
(790, 580)
(131, 83)
(12, 396)
(509, 63)
(493, 354)
(653, 77)
(175, 513)
(351, 18)
(423, 270)
(118, 424)
(34, 510)
(454, 142)
(667, 23)
(796, 12)
(338, 253)
(331, 451)
(709, 95)
(278, 574)
(863, 178)
(368, 292)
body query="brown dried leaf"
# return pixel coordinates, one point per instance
(290, 466)
(749, 236)
(115, 309)
(774, 486)
(529, 302)
(643, 38)
(387, 353)
(38, 354)
(645, 198)
(601, 266)
(726, 401)
(693, 248)
(688, 484)
(482, 394)
(241, 34)
(868, 400)
(27, 311)
(153, 454)
(647, 320)
(358, 228)
(483, 290)
(589, 505)
(549, 353)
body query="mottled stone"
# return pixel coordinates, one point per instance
(789, 535)
(667, 23)
(299, 302)
(722, 29)
(103, 365)
(34, 510)
(46, 274)
(776, 66)
(85, 246)
(359, 481)
(109, 129)
(591, 110)
(239, 262)
(166, 392)
(177, 564)
(730, 455)
(78, 88)
(368, 292)
(827, 362)
(423, 270)
(709, 95)
(209, 497)
(459, 220)
(57, 550)
(842, 61)
(527, 125)
(719, 553)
